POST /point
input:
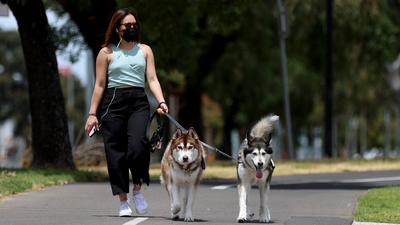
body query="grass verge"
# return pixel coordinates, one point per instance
(13, 181)
(379, 205)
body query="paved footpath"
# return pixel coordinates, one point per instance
(322, 199)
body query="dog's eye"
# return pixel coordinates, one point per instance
(180, 147)
(254, 153)
(264, 153)
(190, 147)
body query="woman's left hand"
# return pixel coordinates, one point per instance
(163, 107)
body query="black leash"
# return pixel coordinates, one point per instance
(161, 128)
(156, 139)
(206, 145)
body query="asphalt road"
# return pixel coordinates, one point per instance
(322, 199)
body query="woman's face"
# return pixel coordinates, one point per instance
(127, 22)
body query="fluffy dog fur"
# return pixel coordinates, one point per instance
(255, 166)
(181, 167)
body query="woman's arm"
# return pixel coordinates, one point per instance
(102, 62)
(151, 76)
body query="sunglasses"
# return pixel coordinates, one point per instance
(130, 25)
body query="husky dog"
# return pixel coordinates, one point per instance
(255, 166)
(182, 166)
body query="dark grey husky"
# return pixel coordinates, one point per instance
(255, 166)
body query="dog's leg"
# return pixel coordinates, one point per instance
(191, 194)
(176, 205)
(249, 215)
(184, 201)
(242, 203)
(264, 211)
(171, 202)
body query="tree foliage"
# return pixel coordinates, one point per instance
(365, 39)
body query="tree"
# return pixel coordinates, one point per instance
(50, 140)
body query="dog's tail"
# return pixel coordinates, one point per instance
(264, 126)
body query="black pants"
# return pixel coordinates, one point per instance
(126, 114)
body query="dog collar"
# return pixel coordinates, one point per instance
(190, 170)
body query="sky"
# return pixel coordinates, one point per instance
(79, 68)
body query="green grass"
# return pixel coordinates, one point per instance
(379, 205)
(13, 181)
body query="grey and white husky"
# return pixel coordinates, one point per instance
(255, 166)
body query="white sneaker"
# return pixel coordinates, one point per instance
(140, 204)
(125, 209)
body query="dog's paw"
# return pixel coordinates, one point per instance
(264, 220)
(250, 216)
(242, 219)
(265, 217)
(176, 209)
(188, 216)
(189, 219)
(175, 216)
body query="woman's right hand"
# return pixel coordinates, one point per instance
(91, 121)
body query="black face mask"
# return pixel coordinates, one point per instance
(130, 34)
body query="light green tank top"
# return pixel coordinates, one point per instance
(127, 67)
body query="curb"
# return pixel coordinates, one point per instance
(371, 223)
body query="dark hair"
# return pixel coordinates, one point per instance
(111, 35)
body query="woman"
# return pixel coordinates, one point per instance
(122, 66)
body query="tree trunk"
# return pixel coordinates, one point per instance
(50, 139)
(228, 115)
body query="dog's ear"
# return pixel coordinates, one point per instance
(192, 133)
(269, 150)
(249, 137)
(267, 139)
(177, 134)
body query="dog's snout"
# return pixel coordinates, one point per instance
(185, 158)
(260, 164)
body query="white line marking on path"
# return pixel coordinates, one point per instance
(379, 179)
(223, 187)
(136, 221)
